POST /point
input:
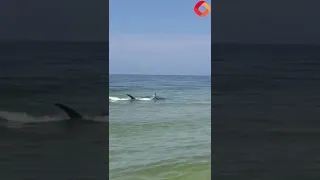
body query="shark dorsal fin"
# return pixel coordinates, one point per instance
(131, 97)
(71, 113)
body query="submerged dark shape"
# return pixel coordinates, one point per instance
(155, 97)
(105, 114)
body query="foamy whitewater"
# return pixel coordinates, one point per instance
(25, 118)
(24, 121)
(136, 98)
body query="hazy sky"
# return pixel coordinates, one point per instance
(158, 37)
(172, 39)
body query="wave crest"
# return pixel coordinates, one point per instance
(115, 99)
(23, 117)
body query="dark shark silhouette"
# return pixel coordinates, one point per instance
(71, 113)
(131, 97)
(74, 117)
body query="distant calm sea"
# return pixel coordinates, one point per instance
(34, 76)
(164, 139)
(266, 112)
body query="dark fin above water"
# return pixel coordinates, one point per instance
(71, 113)
(131, 96)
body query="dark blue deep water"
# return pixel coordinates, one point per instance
(266, 112)
(34, 76)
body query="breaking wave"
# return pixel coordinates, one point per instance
(21, 119)
(115, 99)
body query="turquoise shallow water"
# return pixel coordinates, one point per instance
(164, 139)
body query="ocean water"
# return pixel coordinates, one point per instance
(33, 77)
(169, 138)
(265, 112)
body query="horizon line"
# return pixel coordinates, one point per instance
(107, 41)
(240, 43)
(60, 41)
(160, 74)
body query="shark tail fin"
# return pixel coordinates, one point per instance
(71, 113)
(131, 97)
